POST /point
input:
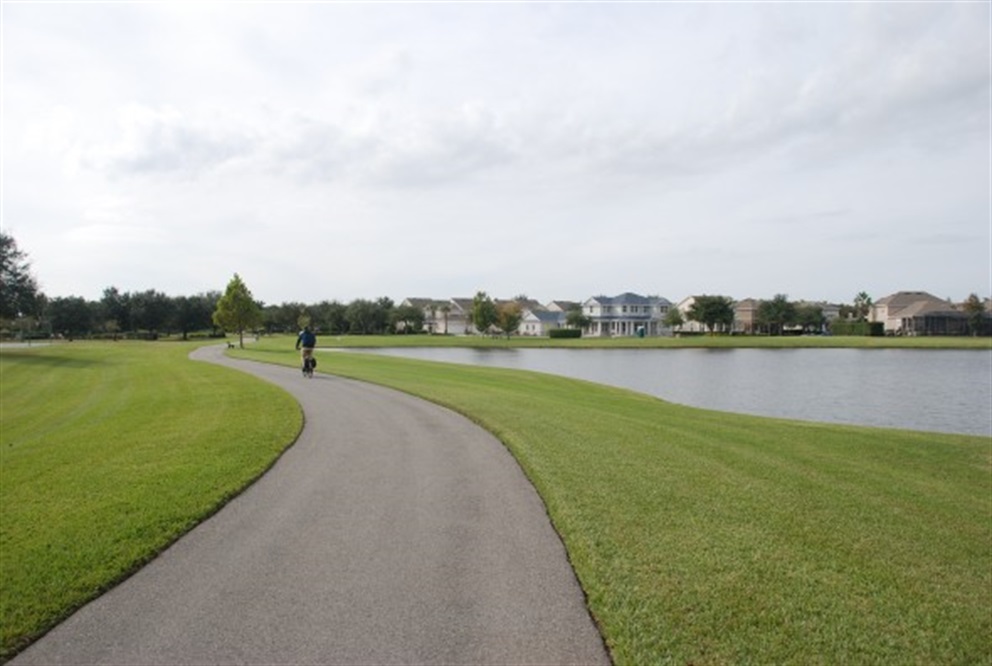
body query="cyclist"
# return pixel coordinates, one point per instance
(307, 340)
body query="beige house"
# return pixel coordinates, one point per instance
(746, 316)
(918, 313)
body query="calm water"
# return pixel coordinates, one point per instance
(937, 390)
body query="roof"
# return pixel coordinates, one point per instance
(546, 316)
(564, 306)
(926, 308)
(904, 299)
(464, 304)
(630, 298)
(425, 302)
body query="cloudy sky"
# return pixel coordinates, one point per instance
(559, 150)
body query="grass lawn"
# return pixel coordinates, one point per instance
(108, 453)
(709, 538)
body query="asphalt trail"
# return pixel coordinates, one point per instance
(392, 532)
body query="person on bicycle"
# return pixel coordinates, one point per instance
(307, 340)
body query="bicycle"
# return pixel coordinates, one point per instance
(309, 364)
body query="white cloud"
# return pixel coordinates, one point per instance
(428, 148)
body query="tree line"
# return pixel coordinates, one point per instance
(150, 314)
(25, 311)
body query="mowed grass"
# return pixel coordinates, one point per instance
(108, 453)
(708, 538)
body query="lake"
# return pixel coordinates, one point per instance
(932, 390)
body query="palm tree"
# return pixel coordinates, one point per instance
(445, 309)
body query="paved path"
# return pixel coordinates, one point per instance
(392, 532)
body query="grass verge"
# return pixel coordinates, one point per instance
(709, 538)
(108, 453)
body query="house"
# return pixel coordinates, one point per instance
(689, 325)
(446, 317)
(626, 315)
(918, 313)
(563, 306)
(430, 307)
(540, 322)
(746, 316)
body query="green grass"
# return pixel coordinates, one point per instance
(696, 341)
(708, 538)
(108, 453)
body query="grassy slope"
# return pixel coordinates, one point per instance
(702, 537)
(108, 453)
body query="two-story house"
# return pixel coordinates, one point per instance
(626, 315)
(919, 313)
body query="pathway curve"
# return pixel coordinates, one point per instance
(393, 532)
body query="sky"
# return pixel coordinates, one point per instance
(336, 151)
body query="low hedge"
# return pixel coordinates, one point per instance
(557, 333)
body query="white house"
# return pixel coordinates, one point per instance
(540, 322)
(446, 317)
(626, 315)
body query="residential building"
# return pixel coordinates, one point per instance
(746, 316)
(918, 313)
(563, 306)
(540, 322)
(430, 307)
(445, 317)
(626, 315)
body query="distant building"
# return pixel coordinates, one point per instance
(445, 317)
(540, 322)
(746, 316)
(563, 306)
(626, 315)
(919, 313)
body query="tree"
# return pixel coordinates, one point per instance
(71, 316)
(674, 319)
(151, 311)
(116, 310)
(19, 294)
(484, 313)
(408, 319)
(382, 315)
(776, 313)
(712, 311)
(975, 309)
(862, 306)
(575, 318)
(283, 318)
(193, 313)
(361, 316)
(329, 316)
(237, 309)
(810, 317)
(508, 317)
(445, 311)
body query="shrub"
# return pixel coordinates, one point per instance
(557, 333)
(873, 329)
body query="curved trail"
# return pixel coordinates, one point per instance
(392, 532)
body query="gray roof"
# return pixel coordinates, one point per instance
(629, 298)
(547, 316)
